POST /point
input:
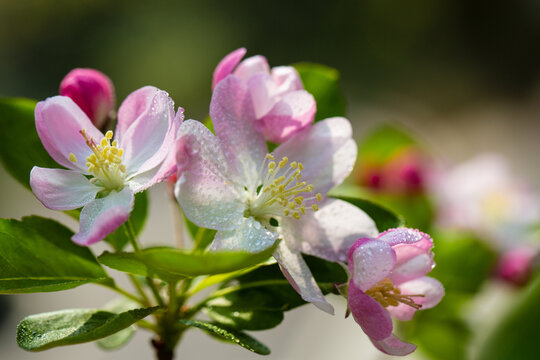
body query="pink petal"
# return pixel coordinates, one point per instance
(249, 235)
(142, 181)
(151, 136)
(92, 91)
(232, 115)
(432, 290)
(61, 189)
(369, 314)
(103, 216)
(412, 262)
(292, 113)
(227, 65)
(407, 236)
(286, 79)
(394, 346)
(58, 123)
(251, 66)
(263, 91)
(370, 261)
(329, 232)
(207, 196)
(295, 269)
(326, 150)
(133, 108)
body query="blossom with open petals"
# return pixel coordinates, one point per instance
(93, 92)
(103, 172)
(281, 106)
(388, 281)
(229, 182)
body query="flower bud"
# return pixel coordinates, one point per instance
(516, 265)
(93, 92)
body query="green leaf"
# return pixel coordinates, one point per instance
(119, 239)
(119, 339)
(323, 83)
(172, 264)
(37, 255)
(257, 300)
(230, 335)
(516, 336)
(20, 146)
(68, 327)
(384, 219)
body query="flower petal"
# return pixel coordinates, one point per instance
(133, 107)
(326, 150)
(102, 216)
(412, 262)
(251, 66)
(150, 137)
(369, 314)
(394, 346)
(297, 272)
(407, 236)
(287, 79)
(263, 91)
(60, 189)
(227, 65)
(204, 191)
(370, 261)
(292, 113)
(232, 115)
(249, 235)
(432, 290)
(58, 123)
(329, 232)
(142, 181)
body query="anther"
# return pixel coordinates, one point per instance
(72, 158)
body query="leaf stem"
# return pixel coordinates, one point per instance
(125, 293)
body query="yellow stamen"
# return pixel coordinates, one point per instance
(386, 294)
(72, 158)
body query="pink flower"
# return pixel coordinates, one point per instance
(388, 281)
(93, 92)
(103, 174)
(229, 182)
(281, 105)
(516, 265)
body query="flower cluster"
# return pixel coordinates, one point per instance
(229, 181)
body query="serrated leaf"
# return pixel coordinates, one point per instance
(172, 264)
(37, 255)
(68, 327)
(230, 335)
(323, 83)
(20, 146)
(516, 335)
(384, 218)
(119, 239)
(244, 319)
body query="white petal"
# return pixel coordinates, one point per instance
(326, 150)
(60, 189)
(329, 232)
(297, 272)
(204, 190)
(249, 235)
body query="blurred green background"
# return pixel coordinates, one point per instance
(445, 54)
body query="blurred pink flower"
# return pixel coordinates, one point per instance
(485, 196)
(229, 182)
(139, 156)
(516, 265)
(281, 105)
(388, 281)
(93, 92)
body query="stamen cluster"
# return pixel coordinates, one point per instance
(281, 189)
(105, 162)
(386, 294)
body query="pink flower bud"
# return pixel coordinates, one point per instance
(93, 92)
(515, 266)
